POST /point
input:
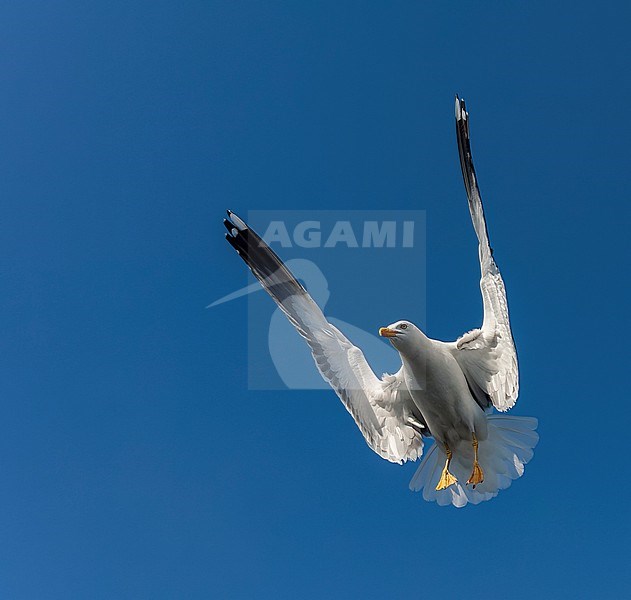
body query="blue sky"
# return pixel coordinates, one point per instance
(134, 461)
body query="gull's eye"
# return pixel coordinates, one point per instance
(403, 326)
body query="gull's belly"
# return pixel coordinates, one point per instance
(440, 391)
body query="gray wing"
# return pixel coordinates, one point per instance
(487, 355)
(379, 406)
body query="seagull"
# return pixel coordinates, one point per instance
(444, 390)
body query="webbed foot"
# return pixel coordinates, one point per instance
(446, 478)
(477, 475)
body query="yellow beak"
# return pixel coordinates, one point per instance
(389, 333)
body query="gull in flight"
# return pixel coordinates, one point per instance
(443, 390)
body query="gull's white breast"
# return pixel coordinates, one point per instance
(440, 391)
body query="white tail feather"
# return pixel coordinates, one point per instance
(508, 447)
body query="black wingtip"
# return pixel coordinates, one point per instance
(461, 109)
(237, 222)
(229, 225)
(236, 243)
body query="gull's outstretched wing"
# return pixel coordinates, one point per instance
(381, 408)
(487, 356)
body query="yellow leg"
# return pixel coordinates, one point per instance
(477, 475)
(446, 478)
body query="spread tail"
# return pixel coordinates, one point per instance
(508, 447)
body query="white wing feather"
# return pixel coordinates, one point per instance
(381, 408)
(487, 355)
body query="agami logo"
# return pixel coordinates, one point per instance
(310, 234)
